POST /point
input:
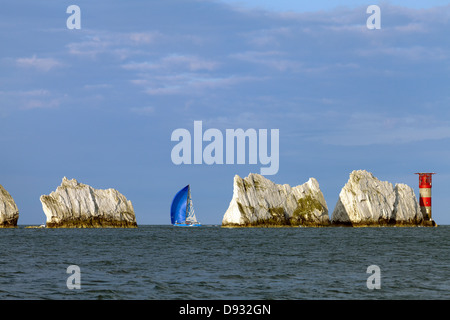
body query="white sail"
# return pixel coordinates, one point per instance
(190, 214)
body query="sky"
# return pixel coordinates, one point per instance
(99, 104)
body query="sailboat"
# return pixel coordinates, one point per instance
(182, 210)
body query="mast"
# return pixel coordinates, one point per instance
(190, 214)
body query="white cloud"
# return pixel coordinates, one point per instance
(90, 48)
(270, 37)
(42, 64)
(192, 84)
(139, 38)
(271, 59)
(97, 86)
(145, 111)
(41, 104)
(117, 44)
(413, 53)
(30, 99)
(174, 61)
(244, 120)
(363, 129)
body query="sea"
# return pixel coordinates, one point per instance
(159, 262)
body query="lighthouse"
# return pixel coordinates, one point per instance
(425, 193)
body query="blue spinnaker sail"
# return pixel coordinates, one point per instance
(178, 208)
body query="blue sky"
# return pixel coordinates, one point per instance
(311, 6)
(99, 104)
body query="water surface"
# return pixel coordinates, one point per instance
(210, 262)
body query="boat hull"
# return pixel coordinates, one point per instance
(187, 225)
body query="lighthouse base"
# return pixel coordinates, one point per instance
(430, 223)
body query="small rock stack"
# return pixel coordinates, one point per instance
(9, 214)
(258, 201)
(367, 201)
(76, 205)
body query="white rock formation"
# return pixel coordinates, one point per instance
(367, 201)
(259, 201)
(9, 214)
(74, 204)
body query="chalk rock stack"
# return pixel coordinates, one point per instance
(367, 201)
(9, 214)
(258, 201)
(76, 205)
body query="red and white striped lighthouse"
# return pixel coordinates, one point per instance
(425, 193)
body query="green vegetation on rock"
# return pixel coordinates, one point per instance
(306, 205)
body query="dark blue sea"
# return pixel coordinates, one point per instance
(210, 262)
